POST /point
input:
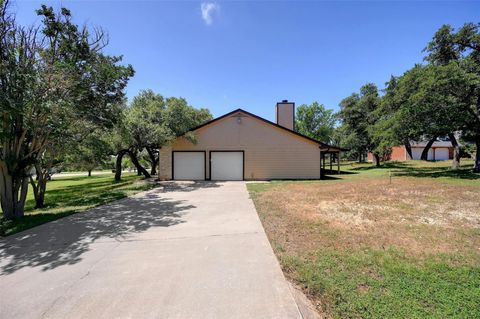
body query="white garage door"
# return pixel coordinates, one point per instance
(417, 153)
(189, 165)
(441, 154)
(226, 166)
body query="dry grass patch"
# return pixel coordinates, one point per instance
(419, 216)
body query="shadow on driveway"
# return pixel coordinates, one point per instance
(187, 186)
(63, 241)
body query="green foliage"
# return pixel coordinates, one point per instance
(461, 50)
(53, 76)
(150, 122)
(426, 101)
(348, 139)
(144, 119)
(90, 153)
(315, 121)
(181, 117)
(153, 121)
(359, 112)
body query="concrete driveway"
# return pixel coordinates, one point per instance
(184, 250)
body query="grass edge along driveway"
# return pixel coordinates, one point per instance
(74, 194)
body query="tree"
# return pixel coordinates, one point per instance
(392, 128)
(426, 102)
(359, 114)
(46, 165)
(150, 122)
(91, 153)
(144, 120)
(348, 139)
(460, 51)
(315, 121)
(123, 143)
(50, 76)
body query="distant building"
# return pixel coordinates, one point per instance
(440, 151)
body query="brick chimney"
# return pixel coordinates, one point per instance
(285, 114)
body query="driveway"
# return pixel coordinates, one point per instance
(184, 250)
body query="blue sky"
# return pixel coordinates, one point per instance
(252, 54)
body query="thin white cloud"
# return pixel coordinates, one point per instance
(208, 10)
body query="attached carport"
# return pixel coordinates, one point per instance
(330, 160)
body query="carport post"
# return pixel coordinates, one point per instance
(338, 162)
(324, 161)
(330, 156)
(322, 173)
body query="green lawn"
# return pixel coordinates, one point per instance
(68, 195)
(436, 171)
(364, 247)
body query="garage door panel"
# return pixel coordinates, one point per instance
(226, 165)
(416, 153)
(189, 165)
(441, 154)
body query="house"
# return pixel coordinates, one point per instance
(439, 151)
(243, 146)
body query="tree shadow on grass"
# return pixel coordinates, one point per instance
(94, 192)
(384, 165)
(410, 170)
(437, 172)
(64, 241)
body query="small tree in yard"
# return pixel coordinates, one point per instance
(46, 165)
(50, 77)
(91, 153)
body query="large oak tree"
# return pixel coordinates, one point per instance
(460, 50)
(51, 76)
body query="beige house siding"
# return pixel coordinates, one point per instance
(270, 152)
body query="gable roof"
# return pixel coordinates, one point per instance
(321, 144)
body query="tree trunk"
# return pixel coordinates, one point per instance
(118, 165)
(89, 173)
(408, 148)
(39, 186)
(139, 167)
(13, 192)
(456, 152)
(476, 168)
(40, 196)
(376, 160)
(424, 156)
(153, 160)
